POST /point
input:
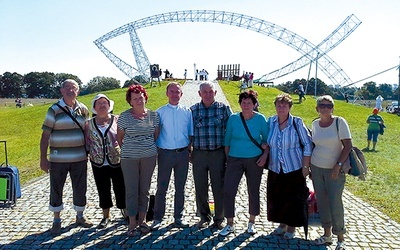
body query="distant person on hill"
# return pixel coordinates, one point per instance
(63, 134)
(257, 105)
(105, 156)
(375, 122)
(379, 99)
(301, 92)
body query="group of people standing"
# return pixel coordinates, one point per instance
(221, 146)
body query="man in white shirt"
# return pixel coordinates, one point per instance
(176, 130)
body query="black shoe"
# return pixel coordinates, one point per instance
(180, 223)
(217, 225)
(104, 223)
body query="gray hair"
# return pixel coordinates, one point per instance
(325, 98)
(69, 81)
(206, 83)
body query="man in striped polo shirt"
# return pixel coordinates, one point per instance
(63, 135)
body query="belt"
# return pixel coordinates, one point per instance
(209, 149)
(177, 150)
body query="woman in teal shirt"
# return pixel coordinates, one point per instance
(243, 156)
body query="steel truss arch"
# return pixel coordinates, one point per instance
(307, 49)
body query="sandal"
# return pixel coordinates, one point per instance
(144, 228)
(324, 240)
(279, 231)
(340, 245)
(131, 232)
(288, 236)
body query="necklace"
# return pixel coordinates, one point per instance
(280, 123)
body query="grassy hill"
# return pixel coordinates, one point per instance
(22, 130)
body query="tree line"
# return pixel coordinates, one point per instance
(369, 90)
(47, 85)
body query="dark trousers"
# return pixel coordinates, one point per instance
(234, 172)
(104, 176)
(179, 162)
(287, 198)
(58, 176)
(209, 162)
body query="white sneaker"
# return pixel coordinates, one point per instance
(227, 230)
(251, 228)
(155, 225)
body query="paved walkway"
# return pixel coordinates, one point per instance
(26, 225)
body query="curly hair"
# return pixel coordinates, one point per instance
(284, 97)
(246, 95)
(136, 89)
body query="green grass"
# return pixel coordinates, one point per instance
(22, 130)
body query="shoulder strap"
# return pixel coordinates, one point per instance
(248, 132)
(297, 131)
(71, 116)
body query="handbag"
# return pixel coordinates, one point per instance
(355, 164)
(253, 140)
(381, 126)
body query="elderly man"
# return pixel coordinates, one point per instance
(63, 135)
(176, 130)
(208, 157)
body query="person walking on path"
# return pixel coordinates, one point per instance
(176, 130)
(208, 156)
(332, 139)
(375, 122)
(63, 134)
(138, 129)
(289, 164)
(243, 156)
(105, 156)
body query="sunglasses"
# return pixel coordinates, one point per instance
(323, 105)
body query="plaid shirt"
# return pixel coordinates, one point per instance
(209, 125)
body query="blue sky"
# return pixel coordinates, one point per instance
(57, 36)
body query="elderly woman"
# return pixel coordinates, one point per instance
(332, 139)
(104, 154)
(138, 129)
(244, 156)
(374, 122)
(289, 163)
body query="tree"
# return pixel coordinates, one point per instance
(101, 83)
(386, 91)
(292, 87)
(11, 85)
(61, 77)
(369, 91)
(129, 83)
(42, 85)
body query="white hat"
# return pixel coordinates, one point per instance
(97, 97)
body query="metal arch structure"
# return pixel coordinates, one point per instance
(309, 51)
(330, 68)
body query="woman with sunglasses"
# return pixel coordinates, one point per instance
(332, 139)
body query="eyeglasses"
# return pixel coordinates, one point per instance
(323, 105)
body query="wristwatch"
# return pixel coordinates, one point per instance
(306, 167)
(339, 163)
